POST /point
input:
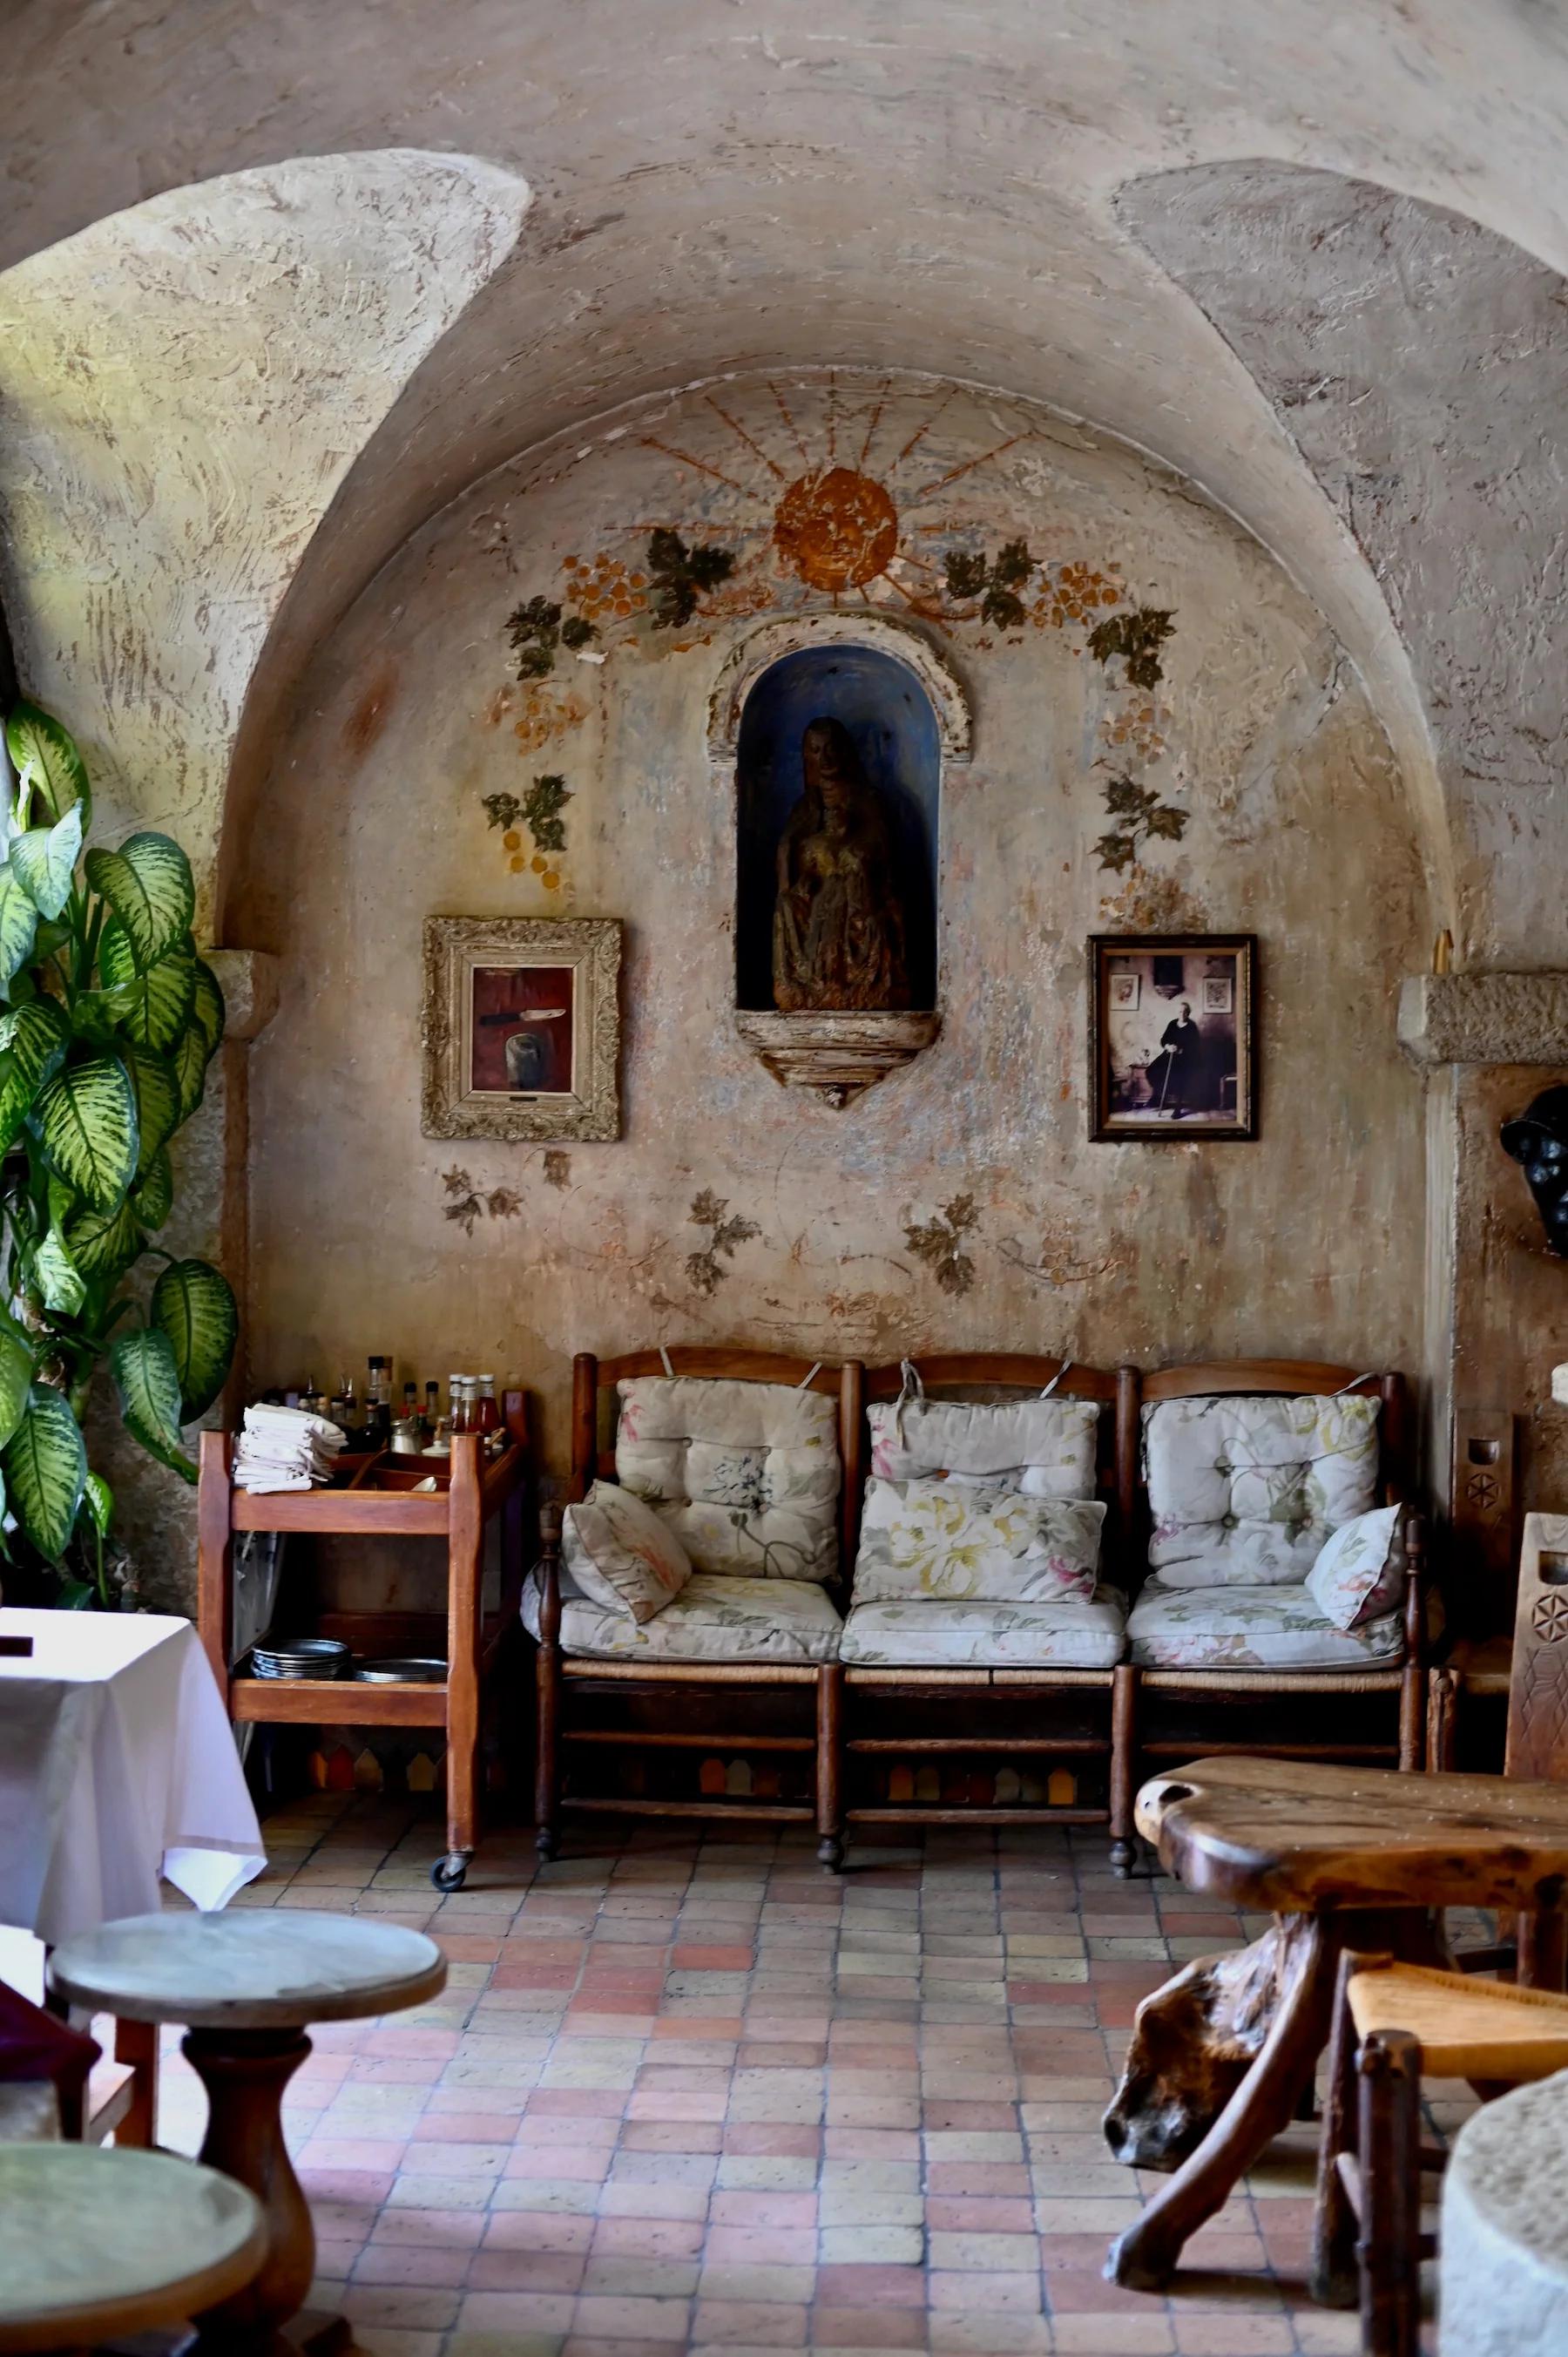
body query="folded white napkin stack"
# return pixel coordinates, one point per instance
(284, 1448)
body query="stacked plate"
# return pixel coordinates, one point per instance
(303, 1657)
(411, 1670)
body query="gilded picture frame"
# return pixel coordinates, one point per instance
(522, 1028)
(1172, 1037)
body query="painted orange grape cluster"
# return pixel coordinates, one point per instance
(1137, 730)
(603, 589)
(1073, 592)
(545, 713)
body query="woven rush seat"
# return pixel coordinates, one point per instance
(1467, 2029)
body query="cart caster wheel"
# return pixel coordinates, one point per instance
(451, 1872)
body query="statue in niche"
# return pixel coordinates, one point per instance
(838, 922)
(1537, 1141)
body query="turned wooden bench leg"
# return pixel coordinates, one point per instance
(1389, 2248)
(829, 1765)
(547, 1765)
(1123, 1768)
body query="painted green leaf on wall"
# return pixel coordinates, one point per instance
(45, 1464)
(194, 1305)
(86, 1118)
(143, 1365)
(148, 884)
(45, 756)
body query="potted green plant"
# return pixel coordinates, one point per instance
(109, 1018)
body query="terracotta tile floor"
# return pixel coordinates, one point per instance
(694, 2094)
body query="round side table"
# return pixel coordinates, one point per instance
(246, 1984)
(95, 2243)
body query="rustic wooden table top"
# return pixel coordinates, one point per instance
(1297, 1838)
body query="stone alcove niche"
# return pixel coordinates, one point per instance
(908, 716)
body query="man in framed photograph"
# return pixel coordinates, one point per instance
(1174, 1075)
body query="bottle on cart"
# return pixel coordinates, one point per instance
(378, 1404)
(411, 1408)
(432, 1411)
(345, 1409)
(487, 1416)
(462, 1404)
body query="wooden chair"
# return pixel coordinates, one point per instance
(1155, 1727)
(1006, 1715)
(1394, 2023)
(594, 1705)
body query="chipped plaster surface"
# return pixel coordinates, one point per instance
(1421, 365)
(1258, 728)
(183, 388)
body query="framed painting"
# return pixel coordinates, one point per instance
(1172, 1045)
(522, 1028)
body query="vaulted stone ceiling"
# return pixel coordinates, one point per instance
(980, 188)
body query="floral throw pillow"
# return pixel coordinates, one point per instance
(1360, 1572)
(947, 1542)
(622, 1555)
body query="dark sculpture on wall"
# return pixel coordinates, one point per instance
(1537, 1141)
(838, 922)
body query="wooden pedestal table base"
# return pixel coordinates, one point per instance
(244, 1984)
(245, 2073)
(1353, 1858)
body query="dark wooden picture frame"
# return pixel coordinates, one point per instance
(1161, 1086)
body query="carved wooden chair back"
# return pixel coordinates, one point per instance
(993, 1375)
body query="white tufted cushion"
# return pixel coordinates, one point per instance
(1244, 1491)
(746, 1475)
(1259, 1626)
(1043, 1446)
(710, 1621)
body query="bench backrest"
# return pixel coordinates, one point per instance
(994, 1375)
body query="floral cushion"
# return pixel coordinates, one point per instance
(1063, 1633)
(746, 1475)
(949, 1540)
(1246, 1491)
(710, 1620)
(1253, 1628)
(1043, 1446)
(619, 1553)
(1359, 1574)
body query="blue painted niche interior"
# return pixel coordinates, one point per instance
(890, 717)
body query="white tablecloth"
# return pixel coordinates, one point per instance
(116, 1761)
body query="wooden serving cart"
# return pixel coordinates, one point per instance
(376, 1496)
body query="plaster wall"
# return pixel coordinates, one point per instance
(183, 389)
(958, 1201)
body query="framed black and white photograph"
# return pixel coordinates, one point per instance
(1172, 1051)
